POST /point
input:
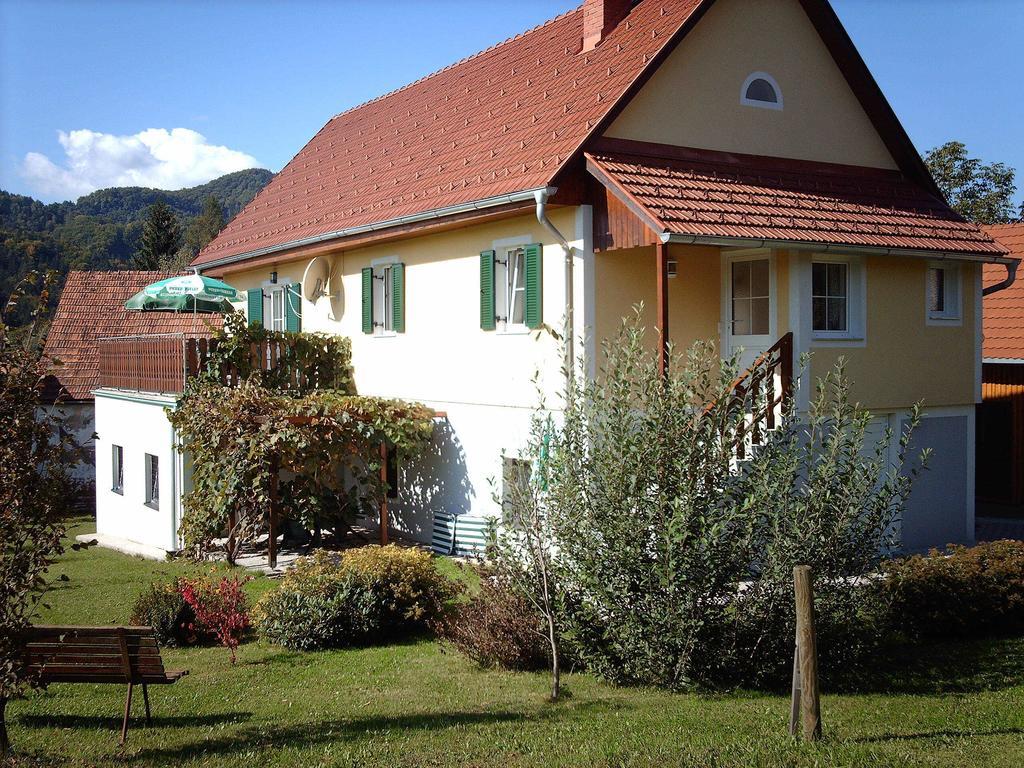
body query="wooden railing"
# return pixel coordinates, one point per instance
(164, 363)
(762, 393)
(154, 363)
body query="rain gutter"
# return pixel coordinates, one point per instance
(413, 218)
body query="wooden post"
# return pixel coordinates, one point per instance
(661, 254)
(384, 493)
(272, 514)
(810, 705)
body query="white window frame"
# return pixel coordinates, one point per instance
(503, 284)
(856, 300)
(953, 292)
(383, 311)
(151, 490)
(271, 292)
(777, 106)
(117, 469)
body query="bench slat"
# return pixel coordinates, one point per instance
(96, 642)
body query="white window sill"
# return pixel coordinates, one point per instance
(385, 334)
(947, 320)
(825, 339)
(512, 330)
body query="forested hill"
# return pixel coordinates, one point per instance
(102, 230)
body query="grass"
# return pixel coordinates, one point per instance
(412, 704)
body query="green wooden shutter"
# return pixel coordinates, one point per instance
(292, 308)
(255, 302)
(367, 300)
(533, 314)
(487, 321)
(398, 298)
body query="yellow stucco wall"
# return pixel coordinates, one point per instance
(627, 277)
(904, 359)
(900, 360)
(694, 99)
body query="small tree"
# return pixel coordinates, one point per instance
(161, 236)
(33, 487)
(524, 544)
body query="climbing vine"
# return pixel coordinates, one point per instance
(325, 442)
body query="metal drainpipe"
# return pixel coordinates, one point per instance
(542, 195)
(1011, 275)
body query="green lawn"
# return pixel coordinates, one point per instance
(413, 704)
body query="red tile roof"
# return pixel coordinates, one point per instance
(502, 121)
(1003, 311)
(92, 307)
(717, 195)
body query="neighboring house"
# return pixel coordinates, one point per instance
(1001, 413)
(731, 164)
(91, 309)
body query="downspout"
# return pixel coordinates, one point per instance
(1011, 275)
(542, 195)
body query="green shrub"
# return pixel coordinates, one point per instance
(362, 596)
(965, 591)
(162, 607)
(496, 628)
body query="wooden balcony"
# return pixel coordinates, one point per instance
(163, 363)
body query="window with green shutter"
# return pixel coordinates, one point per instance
(254, 302)
(397, 298)
(487, 312)
(533, 314)
(293, 308)
(367, 274)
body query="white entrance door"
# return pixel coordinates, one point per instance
(748, 302)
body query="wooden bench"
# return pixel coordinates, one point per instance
(125, 655)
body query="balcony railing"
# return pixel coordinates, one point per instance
(165, 362)
(154, 363)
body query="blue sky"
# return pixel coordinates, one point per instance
(93, 91)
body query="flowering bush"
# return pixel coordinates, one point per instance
(220, 608)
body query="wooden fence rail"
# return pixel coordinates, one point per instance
(164, 363)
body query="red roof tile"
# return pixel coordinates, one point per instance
(718, 195)
(92, 307)
(1003, 311)
(502, 121)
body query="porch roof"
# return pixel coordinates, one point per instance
(722, 197)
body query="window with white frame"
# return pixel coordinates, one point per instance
(830, 297)
(943, 293)
(274, 312)
(383, 304)
(761, 90)
(838, 294)
(510, 282)
(152, 480)
(117, 469)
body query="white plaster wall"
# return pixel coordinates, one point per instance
(140, 426)
(482, 380)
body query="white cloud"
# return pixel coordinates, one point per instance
(156, 157)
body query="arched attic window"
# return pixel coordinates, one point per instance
(761, 90)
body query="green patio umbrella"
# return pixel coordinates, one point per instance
(185, 293)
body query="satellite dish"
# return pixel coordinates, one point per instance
(316, 280)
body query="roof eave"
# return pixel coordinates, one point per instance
(526, 195)
(862, 250)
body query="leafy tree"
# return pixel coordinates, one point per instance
(33, 492)
(977, 191)
(200, 232)
(670, 561)
(161, 236)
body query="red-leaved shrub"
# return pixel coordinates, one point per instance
(220, 608)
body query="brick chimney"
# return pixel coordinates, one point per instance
(600, 17)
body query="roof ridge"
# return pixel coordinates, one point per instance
(454, 64)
